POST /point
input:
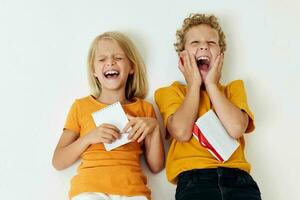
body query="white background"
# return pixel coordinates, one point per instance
(43, 50)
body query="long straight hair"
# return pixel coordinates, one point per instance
(136, 84)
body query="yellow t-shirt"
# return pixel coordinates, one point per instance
(184, 156)
(112, 172)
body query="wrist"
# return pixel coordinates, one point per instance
(156, 125)
(194, 87)
(86, 140)
(211, 86)
(155, 132)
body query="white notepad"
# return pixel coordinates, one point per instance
(115, 115)
(214, 132)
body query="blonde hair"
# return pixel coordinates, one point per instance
(195, 20)
(136, 84)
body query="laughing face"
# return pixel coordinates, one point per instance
(111, 65)
(202, 41)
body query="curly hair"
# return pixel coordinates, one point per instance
(195, 20)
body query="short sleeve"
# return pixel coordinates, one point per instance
(148, 109)
(238, 97)
(152, 112)
(72, 121)
(168, 101)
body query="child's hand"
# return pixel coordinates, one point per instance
(214, 74)
(105, 133)
(140, 127)
(188, 67)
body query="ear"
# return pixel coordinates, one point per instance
(131, 71)
(94, 73)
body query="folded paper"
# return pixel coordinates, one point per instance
(211, 134)
(115, 115)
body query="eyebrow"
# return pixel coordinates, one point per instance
(117, 54)
(207, 40)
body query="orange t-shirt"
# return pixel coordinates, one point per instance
(113, 172)
(184, 156)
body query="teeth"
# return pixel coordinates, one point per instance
(203, 58)
(111, 72)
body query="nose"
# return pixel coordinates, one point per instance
(203, 46)
(110, 62)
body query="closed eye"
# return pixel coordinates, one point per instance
(212, 42)
(195, 42)
(118, 58)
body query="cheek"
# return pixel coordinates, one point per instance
(192, 50)
(127, 66)
(217, 51)
(188, 47)
(97, 71)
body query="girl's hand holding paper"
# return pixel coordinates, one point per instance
(140, 127)
(105, 133)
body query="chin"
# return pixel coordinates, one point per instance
(111, 87)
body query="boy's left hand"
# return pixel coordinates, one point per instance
(214, 74)
(140, 127)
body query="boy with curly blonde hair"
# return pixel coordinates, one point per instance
(198, 174)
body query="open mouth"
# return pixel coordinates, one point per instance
(111, 74)
(203, 62)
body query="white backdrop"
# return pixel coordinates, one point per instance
(43, 50)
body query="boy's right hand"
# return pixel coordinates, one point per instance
(188, 67)
(105, 133)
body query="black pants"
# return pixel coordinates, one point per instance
(216, 184)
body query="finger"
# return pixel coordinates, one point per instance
(104, 140)
(133, 130)
(193, 60)
(137, 134)
(109, 133)
(216, 64)
(130, 117)
(129, 125)
(180, 61)
(183, 61)
(107, 138)
(185, 58)
(111, 129)
(188, 59)
(181, 58)
(180, 64)
(143, 136)
(110, 126)
(220, 67)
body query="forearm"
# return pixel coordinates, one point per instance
(65, 156)
(154, 151)
(233, 119)
(180, 124)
